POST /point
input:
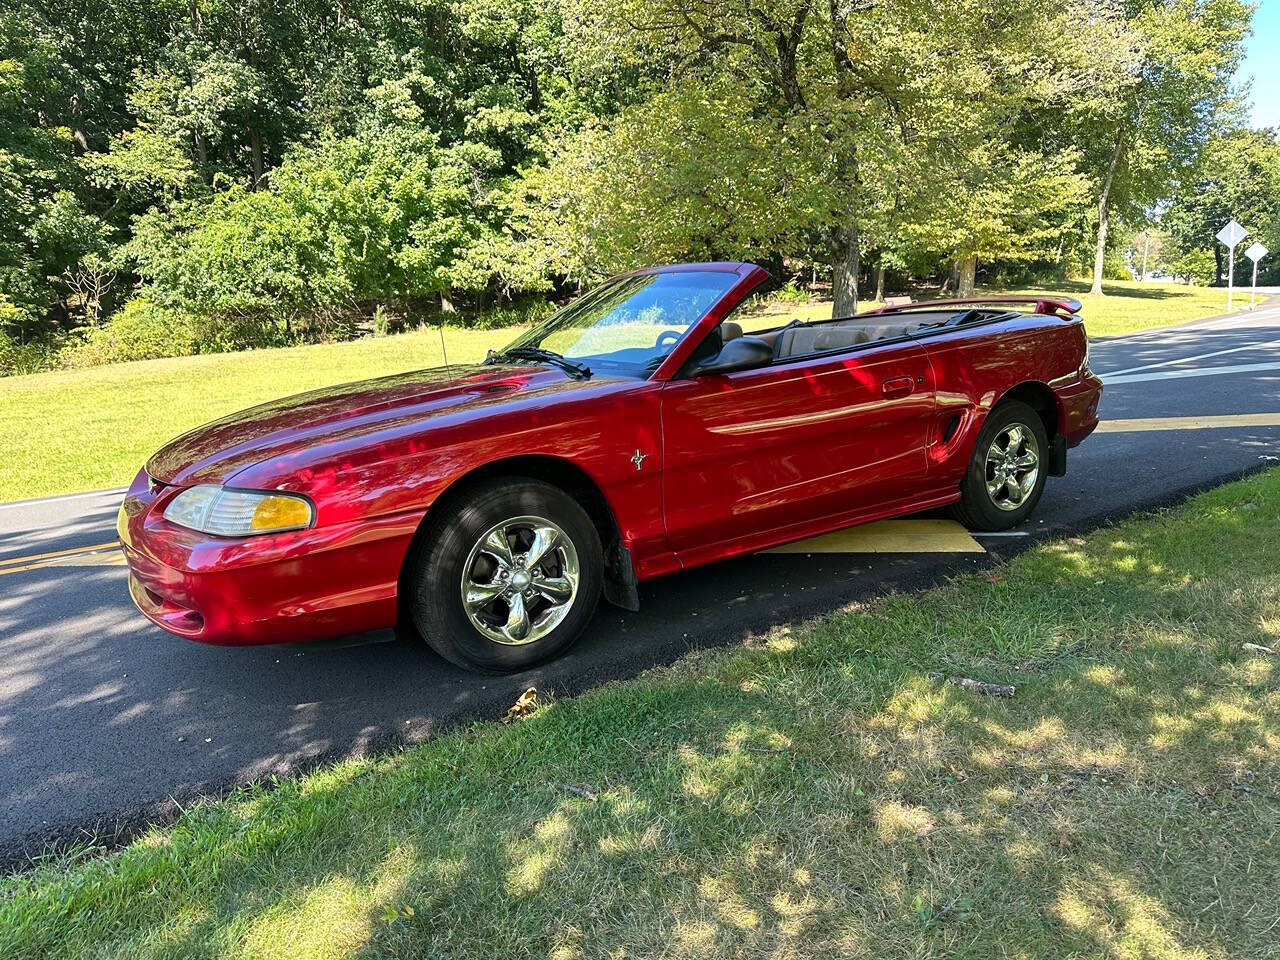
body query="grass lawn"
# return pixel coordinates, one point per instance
(1127, 306)
(812, 794)
(89, 429)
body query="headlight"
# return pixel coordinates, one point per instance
(238, 513)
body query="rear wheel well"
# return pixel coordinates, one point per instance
(568, 477)
(1039, 398)
(1044, 402)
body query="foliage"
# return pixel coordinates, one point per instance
(1196, 266)
(283, 171)
(688, 174)
(1238, 177)
(820, 131)
(1144, 135)
(378, 215)
(140, 331)
(19, 358)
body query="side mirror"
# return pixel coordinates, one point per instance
(741, 353)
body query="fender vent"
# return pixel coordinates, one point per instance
(950, 429)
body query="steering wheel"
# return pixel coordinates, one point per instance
(667, 339)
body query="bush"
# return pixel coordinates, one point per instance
(792, 292)
(342, 220)
(17, 359)
(1114, 267)
(140, 331)
(230, 332)
(522, 313)
(1196, 266)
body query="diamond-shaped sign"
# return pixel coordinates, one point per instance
(1232, 234)
(1256, 252)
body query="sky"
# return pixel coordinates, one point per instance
(1262, 64)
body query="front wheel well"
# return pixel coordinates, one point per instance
(567, 476)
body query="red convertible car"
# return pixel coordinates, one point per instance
(636, 432)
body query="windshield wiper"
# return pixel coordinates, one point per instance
(579, 371)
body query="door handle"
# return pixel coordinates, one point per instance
(898, 386)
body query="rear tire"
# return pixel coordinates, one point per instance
(507, 577)
(1007, 471)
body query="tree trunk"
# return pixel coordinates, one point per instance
(202, 154)
(255, 142)
(1104, 213)
(79, 138)
(949, 280)
(880, 283)
(844, 274)
(1217, 266)
(968, 273)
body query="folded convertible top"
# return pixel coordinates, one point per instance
(1051, 306)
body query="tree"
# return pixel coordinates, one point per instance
(1143, 135)
(873, 103)
(380, 215)
(1238, 178)
(998, 203)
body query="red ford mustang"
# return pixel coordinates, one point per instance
(635, 433)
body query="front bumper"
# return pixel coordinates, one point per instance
(327, 581)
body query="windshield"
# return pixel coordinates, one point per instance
(629, 325)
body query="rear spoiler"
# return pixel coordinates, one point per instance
(1051, 306)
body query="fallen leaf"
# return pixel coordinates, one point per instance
(524, 706)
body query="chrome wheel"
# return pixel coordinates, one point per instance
(520, 580)
(1013, 466)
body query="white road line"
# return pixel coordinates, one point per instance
(1114, 380)
(62, 498)
(1202, 356)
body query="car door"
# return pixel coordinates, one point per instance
(830, 435)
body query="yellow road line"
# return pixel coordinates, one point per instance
(1189, 423)
(891, 536)
(30, 558)
(105, 555)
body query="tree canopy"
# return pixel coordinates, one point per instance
(292, 166)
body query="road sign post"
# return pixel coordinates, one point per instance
(1255, 253)
(1229, 236)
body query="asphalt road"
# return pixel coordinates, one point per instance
(107, 722)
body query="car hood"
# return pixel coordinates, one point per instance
(215, 452)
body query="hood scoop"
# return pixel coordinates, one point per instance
(488, 389)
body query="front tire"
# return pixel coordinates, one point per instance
(507, 578)
(1007, 471)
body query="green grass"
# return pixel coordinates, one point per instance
(1130, 307)
(89, 429)
(1126, 307)
(813, 793)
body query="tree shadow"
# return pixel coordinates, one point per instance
(815, 793)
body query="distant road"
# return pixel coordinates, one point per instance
(104, 717)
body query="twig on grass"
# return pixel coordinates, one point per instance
(977, 686)
(585, 792)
